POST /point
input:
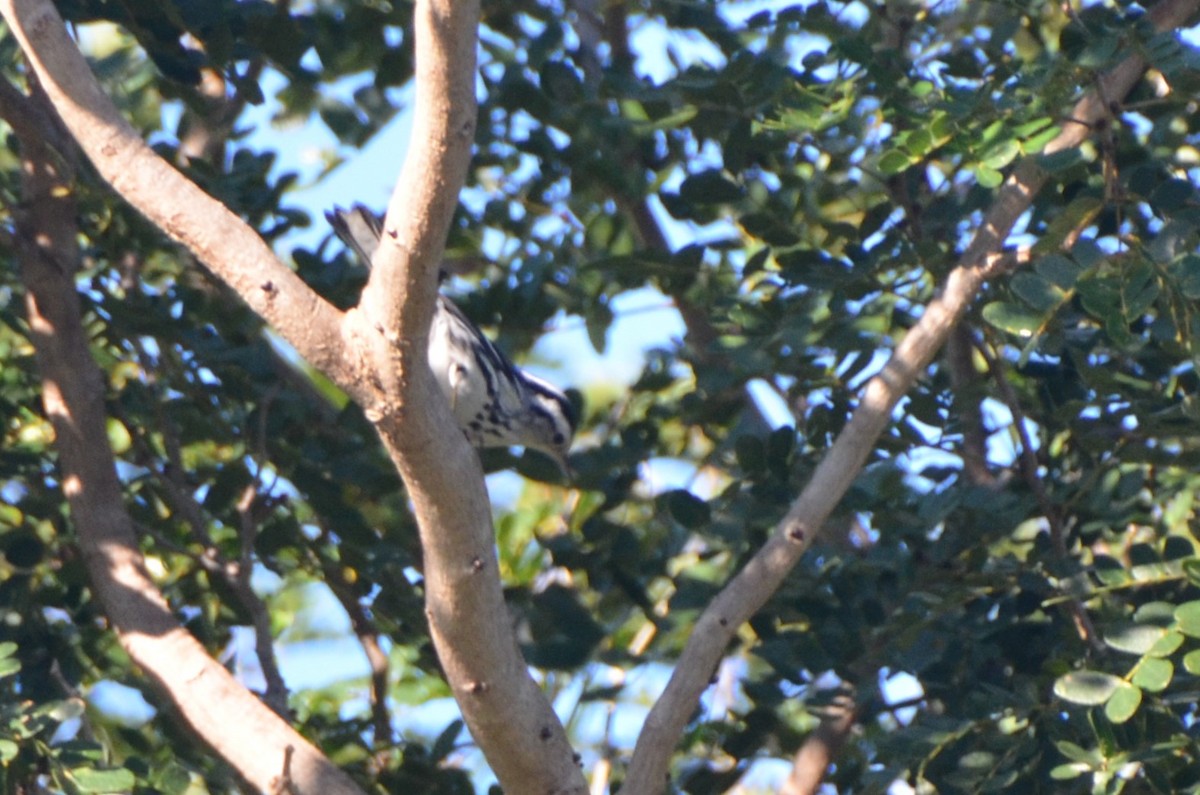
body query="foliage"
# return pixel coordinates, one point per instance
(797, 180)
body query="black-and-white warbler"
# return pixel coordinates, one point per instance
(496, 403)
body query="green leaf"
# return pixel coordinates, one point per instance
(561, 83)
(118, 436)
(1187, 618)
(709, 187)
(894, 161)
(1000, 155)
(1061, 160)
(1191, 568)
(988, 177)
(1123, 704)
(1172, 195)
(597, 322)
(1059, 269)
(1077, 753)
(1036, 142)
(1100, 51)
(1075, 216)
(687, 509)
(1109, 571)
(1012, 318)
(1134, 638)
(751, 453)
(1153, 674)
(1191, 662)
(10, 515)
(1186, 272)
(1038, 291)
(1100, 297)
(919, 143)
(1069, 771)
(89, 779)
(443, 746)
(671, 121)
(1167, 645)
(1139, 289)
(1090, 688)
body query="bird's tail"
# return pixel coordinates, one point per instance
(358, 228)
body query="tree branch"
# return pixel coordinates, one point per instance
(377, 659)
(1028, 465)
(750, 588)
(235, 574)
(377, 352)
(218, 238)
(507, 714)
(821, 747)
(964, 381)
(204, 693)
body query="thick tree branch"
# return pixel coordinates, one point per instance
(508, 715)
(217, 237)
(380, 359)
(750, 588)
(205, 694)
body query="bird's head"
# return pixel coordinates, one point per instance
(552, 422)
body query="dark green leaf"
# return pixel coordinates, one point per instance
(1059, 270)
(1040, 293)
(1012, 318)
(445, 743)
(687, 509)
(709, 187)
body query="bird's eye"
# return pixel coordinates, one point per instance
(558, 438)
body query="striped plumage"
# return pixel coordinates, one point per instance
(495, 402)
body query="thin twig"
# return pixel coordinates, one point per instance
(1029, 467)
(368, 637)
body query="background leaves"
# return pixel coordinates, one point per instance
(796, 182)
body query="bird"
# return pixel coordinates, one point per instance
(495, 403)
